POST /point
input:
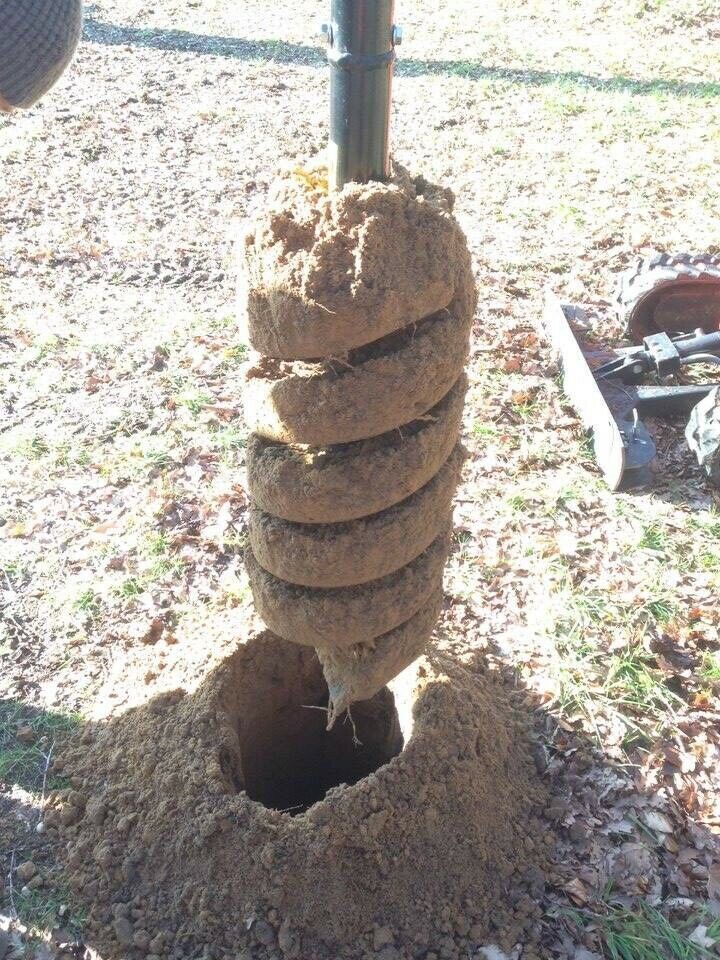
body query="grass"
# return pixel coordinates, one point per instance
(193, 401)
(654, 538)
(43, 910)
(709, 670)
(88, 602)
(645, 933)
(623, 686)
(25, 764)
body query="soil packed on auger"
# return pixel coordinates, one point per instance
(345, 554)
(357, 296)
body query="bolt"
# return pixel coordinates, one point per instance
(397, 35)
(325, 32)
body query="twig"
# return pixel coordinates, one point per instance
(44, 780)
(11, 889)
(356, 742)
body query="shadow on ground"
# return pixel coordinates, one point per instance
(279, 51)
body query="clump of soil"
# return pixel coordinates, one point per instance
(372, 390)
(328, 272)
(360, 306)
(351, 480)
(228, 822)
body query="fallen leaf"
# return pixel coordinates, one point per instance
(577, 891)
(657, 821)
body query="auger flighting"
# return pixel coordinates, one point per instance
(358, 298)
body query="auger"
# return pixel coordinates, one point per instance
(358, 298)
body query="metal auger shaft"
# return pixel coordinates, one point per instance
(362, 41)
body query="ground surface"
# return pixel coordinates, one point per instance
(576, 135)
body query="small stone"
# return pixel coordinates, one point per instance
(264, 933)
(26, 871)
(25, 734)
(141, 939)
(123, 930)
(382, 936)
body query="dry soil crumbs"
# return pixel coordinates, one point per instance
(435, 847)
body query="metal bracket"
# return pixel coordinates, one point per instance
(610, 408)
(663, 352)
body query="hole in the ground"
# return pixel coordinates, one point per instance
(285, 757)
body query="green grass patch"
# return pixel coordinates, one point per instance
(43, 910)
(235, 354)
(88, 602)
(194, 401)
(709, 670)
(653, 537)
(24, 763)
(482, 430)
(645, 933)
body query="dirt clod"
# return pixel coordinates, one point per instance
(326, 273)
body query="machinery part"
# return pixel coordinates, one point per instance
(371, 390)
(362, 52)
(360, 306)
(344, 616)
(351, 480)
(610, 407)
(670, 293)
(612, 452)
(355, 673)
(344, 554)
(703, 434)
(660, 355)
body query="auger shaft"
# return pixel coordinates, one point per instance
(361, 53)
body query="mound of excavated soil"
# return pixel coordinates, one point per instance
(178, 846)
(326, 273)
(353, 480)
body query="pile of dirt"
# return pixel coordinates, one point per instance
(360, 304)
(199, 824)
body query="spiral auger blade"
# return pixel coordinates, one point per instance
(358, 300)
